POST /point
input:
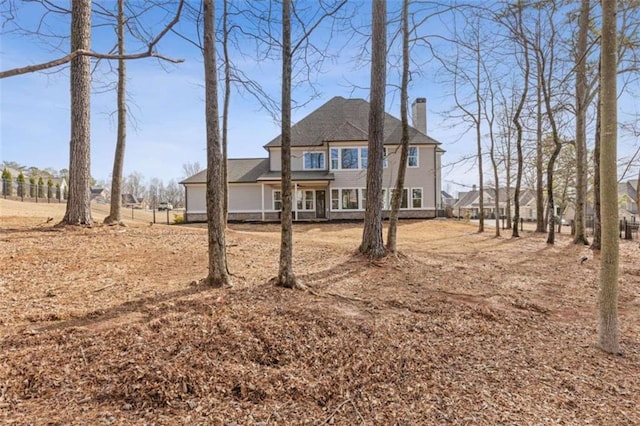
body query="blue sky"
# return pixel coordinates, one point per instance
(167, 103)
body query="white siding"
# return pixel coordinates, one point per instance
(244, 197)
(196, 198)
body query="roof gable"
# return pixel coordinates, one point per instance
(240, 170)
(342, 119)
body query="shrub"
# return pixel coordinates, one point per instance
(178, 219)
(20, 179)
(7, 187)
(32, 187)
(41, 192)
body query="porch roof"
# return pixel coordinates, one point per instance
(298, 175)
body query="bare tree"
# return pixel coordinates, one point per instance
(372, 244)
(581, 115)
(190, 169)
(218, 274)
(519, 31)
(114, 216)
(608, 295)
(286, 277)
(79, 202)
(404, 142)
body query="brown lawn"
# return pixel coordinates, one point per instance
(108, 325)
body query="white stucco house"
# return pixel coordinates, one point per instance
(329, 166)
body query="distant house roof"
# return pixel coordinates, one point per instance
(343, 119)
(445, 194)
(240, 170)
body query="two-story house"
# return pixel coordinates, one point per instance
(329, 166)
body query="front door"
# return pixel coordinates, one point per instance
(320, 205)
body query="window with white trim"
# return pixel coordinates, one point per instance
(385, 199)
(349, 158)
(364, 157)
(416, 198)
(385, 162)
(304, 200)
(404, 204)
(277, 200)
(349, 199)
(412, 158)
(313, 160)
(363, 198)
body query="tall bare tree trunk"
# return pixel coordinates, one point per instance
(540, 211)
(581, 115)
(79, 202)
(608, 296)
(372, 244)
(596, 243)
(286, 277)
(404, 150)
(478, 124)
(225, 112)
(518, 125)
(118, 162)
(218, 273)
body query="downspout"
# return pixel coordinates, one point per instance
(435, 181)
(295, 200)
(186, 203)
(262, 201)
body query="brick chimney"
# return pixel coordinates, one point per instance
(419, 114)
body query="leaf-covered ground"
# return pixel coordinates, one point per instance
(109, 325)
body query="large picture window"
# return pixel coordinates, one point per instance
(349, 199)
(404, 204)
(349, 158)
(304, 200)
(313, 160)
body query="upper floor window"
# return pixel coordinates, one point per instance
(352, 158)
(314, 160)
(412, 159)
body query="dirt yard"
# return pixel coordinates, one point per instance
(108, 325)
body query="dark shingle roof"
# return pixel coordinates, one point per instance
(343, 119)
(240, 170)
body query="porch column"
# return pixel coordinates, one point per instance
(262, 201)
(295, 200)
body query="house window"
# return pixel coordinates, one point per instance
(335, 199)
(335, 158)
(412, 159)
(349, 199)
(385, 199)
(385, 163)
(405, 198)
(277, 200)
(349, 158)
(363, 197)
(416, 198)
(305, 200)
(313, 160)
(364, 157)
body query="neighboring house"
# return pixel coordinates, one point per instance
(329, 158)
(129, 200)
(468, 204)
(627, 199)
(60, 183)
(447, 200)
(98, 195)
